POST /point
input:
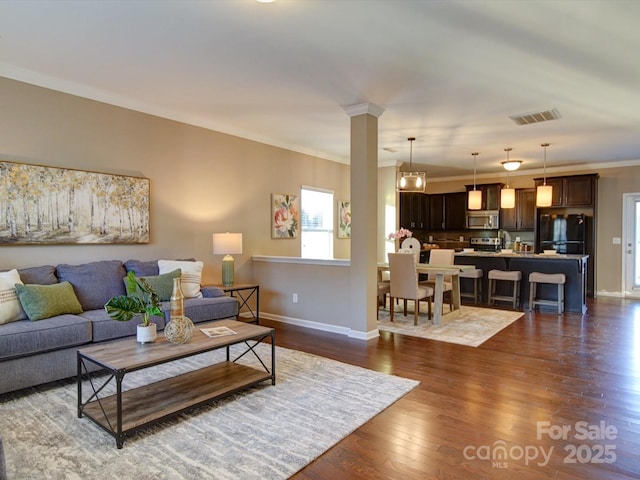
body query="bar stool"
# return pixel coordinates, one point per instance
(554, 278)
(476, 276)
(509, 276)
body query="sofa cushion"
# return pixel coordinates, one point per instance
(142, 269)
(46, 301)
(44, 275)
(106, 328)
(191, 275)
(23, 337)
(10, 308)
(205, 309)
(212, 292)
(162, 284)
(95, 283)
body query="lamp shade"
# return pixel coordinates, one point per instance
(507, 198)
(227, 243)
(474, 200)
(544, 195)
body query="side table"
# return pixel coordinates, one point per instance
(244, 292)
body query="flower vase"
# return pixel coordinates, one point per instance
(180, 328)
(146, 333)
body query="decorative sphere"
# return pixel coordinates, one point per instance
(179, 330)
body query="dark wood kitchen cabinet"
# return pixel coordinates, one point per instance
(414, 210)
(447, 211)
(523, 216)
(436, 212)
(455, 209)
(490, 195)
(572, 191)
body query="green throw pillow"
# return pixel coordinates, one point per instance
(162, 284)
(45, 301)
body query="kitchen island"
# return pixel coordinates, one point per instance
(573, 266)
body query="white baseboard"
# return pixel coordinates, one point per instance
(321, 326)
(610, 294)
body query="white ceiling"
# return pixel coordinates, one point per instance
(447, 72)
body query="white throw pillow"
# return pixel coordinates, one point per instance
(191, 275)
(10, 308)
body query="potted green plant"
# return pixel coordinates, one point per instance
(141, 300)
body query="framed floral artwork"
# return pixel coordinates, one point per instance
(344, 219)
(60, 206)
(285, 220)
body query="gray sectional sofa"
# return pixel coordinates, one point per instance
(33, 352)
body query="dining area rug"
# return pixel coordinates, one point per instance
(473, 327)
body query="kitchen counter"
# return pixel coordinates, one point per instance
(541, 256)
(573, 266)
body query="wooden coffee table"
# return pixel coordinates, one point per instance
(125, 412)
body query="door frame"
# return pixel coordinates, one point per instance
(628, 260)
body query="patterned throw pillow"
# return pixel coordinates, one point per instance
(10, 309)
(191, 275)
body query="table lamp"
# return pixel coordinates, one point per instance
(227, 244)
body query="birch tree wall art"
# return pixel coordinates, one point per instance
(47, 205)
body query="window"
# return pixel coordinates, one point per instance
(316, 233)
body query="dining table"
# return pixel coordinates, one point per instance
(440, 271)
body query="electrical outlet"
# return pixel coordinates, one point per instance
(295, 298)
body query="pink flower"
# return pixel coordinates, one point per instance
(285, 221)
(402, 233)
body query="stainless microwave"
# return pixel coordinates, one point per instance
(483, 219)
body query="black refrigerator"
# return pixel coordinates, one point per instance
(564, 233)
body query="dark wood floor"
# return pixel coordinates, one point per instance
(474, 403)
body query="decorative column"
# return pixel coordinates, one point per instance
(364, 218)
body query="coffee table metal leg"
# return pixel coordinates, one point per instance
(119, 434)
(79, 379)
(273, 357)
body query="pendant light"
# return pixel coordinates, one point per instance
(508, 195)
(474, 197)
(544, 192)
(411, 181)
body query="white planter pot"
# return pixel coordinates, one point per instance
(147, 334)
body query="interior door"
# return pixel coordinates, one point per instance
(630, 243)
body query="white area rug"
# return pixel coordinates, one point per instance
(267, 432)
(473, 327)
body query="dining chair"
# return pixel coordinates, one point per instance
(441, 256)
(404, 284)
(383, 290)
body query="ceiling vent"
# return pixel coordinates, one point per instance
(535, 117)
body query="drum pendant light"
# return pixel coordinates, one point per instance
(544, 192)
(474, 197)
(411, 181)
(508, 195)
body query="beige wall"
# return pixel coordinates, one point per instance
(204, 182)
(322, 288)
(201, 181)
